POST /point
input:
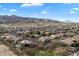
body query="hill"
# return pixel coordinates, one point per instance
(15, 18)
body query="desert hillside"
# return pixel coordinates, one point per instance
(35, 37)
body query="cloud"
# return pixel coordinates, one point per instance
(76, 9)
(31, 4)
(43, 12)
(72, 12)
(12, 10)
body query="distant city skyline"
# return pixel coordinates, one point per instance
(56, 11)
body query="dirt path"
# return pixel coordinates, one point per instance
(5, 51)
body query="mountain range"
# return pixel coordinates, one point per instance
(15, 18)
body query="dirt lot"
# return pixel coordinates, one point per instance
(5, 51)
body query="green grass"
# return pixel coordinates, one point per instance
(45, 53)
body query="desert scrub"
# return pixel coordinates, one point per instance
(35, 36)
(64, 51)
(28, 51)
(56, 44)
(69, 34)
(2, 31)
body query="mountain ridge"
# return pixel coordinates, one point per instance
(6, 18)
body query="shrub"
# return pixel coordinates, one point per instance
(10, 41)
(76, 44)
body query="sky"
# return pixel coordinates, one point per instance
(56, 11)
